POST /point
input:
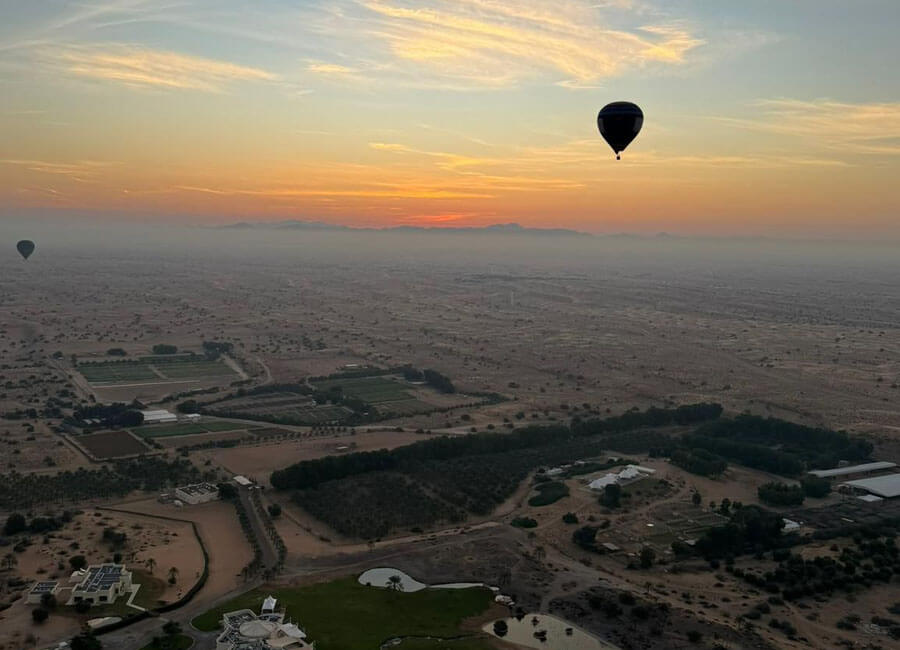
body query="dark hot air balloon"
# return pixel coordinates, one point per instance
(25, 248)
(619, 124)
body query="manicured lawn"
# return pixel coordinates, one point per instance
(345, 614)
(436, 644)
(178, 642)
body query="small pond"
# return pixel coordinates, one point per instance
(381, 576)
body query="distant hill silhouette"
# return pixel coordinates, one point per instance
(500, 228)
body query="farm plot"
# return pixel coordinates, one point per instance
(372, 390)
(681, 521)
(154, 369)
(111, 444)
(281, 407)
(188, 366)
(116, 372)
(186, 429)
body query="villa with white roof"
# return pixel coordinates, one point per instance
(244, 630)
(102, 584)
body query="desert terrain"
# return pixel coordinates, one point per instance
(530, 329)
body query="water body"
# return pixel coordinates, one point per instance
(381, 576)
(522, 633)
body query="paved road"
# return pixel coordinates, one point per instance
(269, 554)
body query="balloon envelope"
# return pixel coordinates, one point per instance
(25, 248)
(619, 124)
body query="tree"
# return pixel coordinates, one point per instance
(39, 615)
(570, 518)
(696, 498)
(173, 575)
(612, 496)
(48, 601)
(10, 561)
(274, 510)
(86, 641)
(172, 628)
(815, 487)
(648, 555)
(150, 563)
(15, 524)
(395, 583)
(227, 491)
(77, 562)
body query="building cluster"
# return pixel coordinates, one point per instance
(629, 474)
(162, 416)
(869, 481)
(246, 630)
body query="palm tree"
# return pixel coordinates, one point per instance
(395, 583)
(173, 575)
(150, 563)
(10, 561)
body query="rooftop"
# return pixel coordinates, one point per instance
(883, 486)
(101, 577)
(44, 587)
(199, 488)
(853, 469)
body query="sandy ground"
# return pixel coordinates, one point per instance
(258, 461)
(228, 549)
(170, 544)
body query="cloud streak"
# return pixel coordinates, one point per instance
(859, 128)
(499, 43)
(147, 68)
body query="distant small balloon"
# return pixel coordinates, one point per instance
(25, 248)
(619, 124)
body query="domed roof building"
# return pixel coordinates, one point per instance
(245, 630)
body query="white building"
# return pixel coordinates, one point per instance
(102, 584)
(886, 487)
(192, 417)
(243, 481)
(244, 630)
(197, 493)
(159, 416)
(630, 474)
(39, 589)
(853, 470)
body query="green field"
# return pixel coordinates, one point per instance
(159, 368)
(187, 429)
(345, 614)
(369, 389)
(116, 372)
(181, 367)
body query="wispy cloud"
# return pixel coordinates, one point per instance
(81, 170)
(498, 43)
(142, 67)
(860, 128)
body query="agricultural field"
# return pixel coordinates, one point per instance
(185, 429)
(116, 372)
(390, 395)
(154, 369)
(284, 407)
(188, 366)
(376, 613)
(369, 389)
(111, 444)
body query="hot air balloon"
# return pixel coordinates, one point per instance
(25, 248)
(619, 124)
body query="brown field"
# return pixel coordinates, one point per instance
(111, 444)
(259, 461)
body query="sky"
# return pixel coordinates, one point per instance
(762, 117)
